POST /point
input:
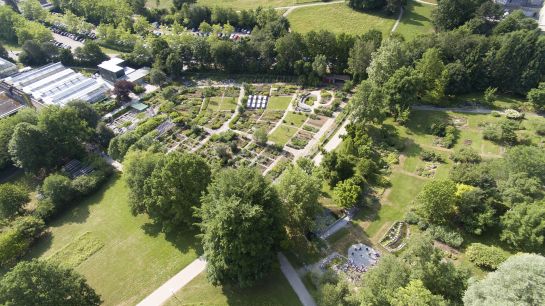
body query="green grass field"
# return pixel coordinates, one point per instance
(416, 20)
(274, 290)
(338, 18)
(282, 134)
(295, 119)
(236, 4)
(123, 257)
(278, 103)
(228, 103)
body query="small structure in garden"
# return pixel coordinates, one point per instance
(394, 239)
(75, 168)
(362, 256)
(257, 102)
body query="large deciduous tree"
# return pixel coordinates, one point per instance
(518, 281)
(174, 189)
(299, 194)
(524, 226)
(27, 147)
(43, 283)
(241, 227)
(436, 202)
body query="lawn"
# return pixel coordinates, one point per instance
(252, 4)
(123, 257)
(279, 103)
(295, 119)
(228, 103)
(236, 4)
(416, 20)
(339, 18)
(274, 290)
(282, 134)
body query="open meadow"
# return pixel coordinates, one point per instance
(124, 258)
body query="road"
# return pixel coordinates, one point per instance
(295, 282)
(173, 285)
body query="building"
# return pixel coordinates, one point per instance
(114, 70)
(8, 106)
(7, 68)
(530, 8)
(53, 84)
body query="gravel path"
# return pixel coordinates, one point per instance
(295, 282)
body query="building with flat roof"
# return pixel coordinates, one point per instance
(530, 8)
(114, 70)
(53, 84)
(7, 68)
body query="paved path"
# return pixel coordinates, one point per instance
(173, 285)
(333, 143)
(295, 282)
(398, 19)
(293, 7)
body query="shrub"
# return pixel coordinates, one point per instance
(16, 240)
(495, 114)
(484, 256)
(466, 155)
(12, 199)
(430, 156)
(45, 209)
(513, 114)
(58, 188)
(138, 89)
(450, 136)
(446, 235)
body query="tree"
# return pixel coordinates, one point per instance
(241, 227)
(12, 199)
(138, 167)
(524, 226)
(451, 14)
(536, 96)
(385, 61)
(35, 54)
(90, 54)
(366, 5)
(7, 127)
(416, 294)
(58, 188)
(519, 188)
(85, 112)
(360, 56)
(299, 193)
(431, 67)
(490, 95)
(402, 90)
(157, 76)
(43, 283)
(380, 283)
(174, 189)
(337, 167)
(32, 10)
(346, 193)
(122, 90)
(27, 147)
(436, 202)
(518, 281)
(260, 136)
(474, 209)
(526, 159)
(319, 66)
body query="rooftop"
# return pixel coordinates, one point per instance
(113, 64)
(8, 106)
(56, 84)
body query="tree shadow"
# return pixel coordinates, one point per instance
(183, 239)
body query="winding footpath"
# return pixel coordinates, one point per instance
(290, 8)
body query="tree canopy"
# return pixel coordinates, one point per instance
(43, 283)
(241, 227)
